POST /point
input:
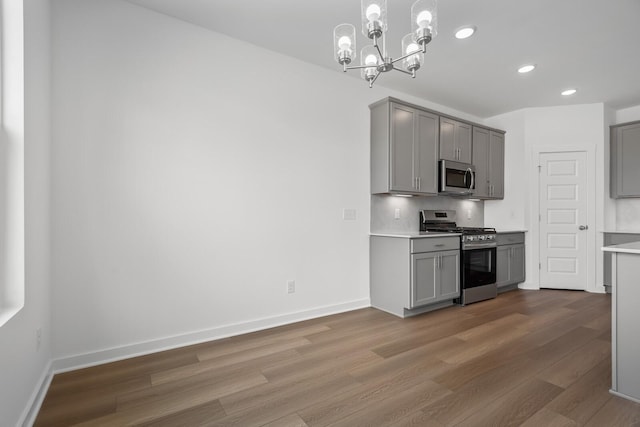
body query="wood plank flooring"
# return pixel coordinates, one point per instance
(531, 358)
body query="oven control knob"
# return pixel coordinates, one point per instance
(483, 237)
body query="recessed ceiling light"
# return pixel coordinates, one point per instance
(568, 92)
(465, 32)
(526, 68)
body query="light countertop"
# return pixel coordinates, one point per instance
(413, 234)
(629, 248)
(622, 231)
(510, 231)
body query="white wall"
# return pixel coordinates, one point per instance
(193, 175)
(630, 114)
(528, 130)
(23, 365)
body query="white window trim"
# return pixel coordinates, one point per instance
(12, 259)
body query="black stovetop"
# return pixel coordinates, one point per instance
(453, 228)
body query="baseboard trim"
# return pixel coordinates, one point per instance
(139, 349)
(30, 413)
(529, 286)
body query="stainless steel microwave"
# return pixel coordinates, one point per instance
(456, 178)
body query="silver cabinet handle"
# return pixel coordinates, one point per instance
(583, 227)
(419, 183)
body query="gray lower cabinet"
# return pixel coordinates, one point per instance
(455, 140)
(412, 276)
(510, 259)
(625, 158)
(614, 239)
(434, 277)
(404, 150)
(625, 351)
(488, 158)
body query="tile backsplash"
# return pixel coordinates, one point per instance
(384, 208)
(627, 214)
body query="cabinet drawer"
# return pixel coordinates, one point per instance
(434, 244)
(509, 238)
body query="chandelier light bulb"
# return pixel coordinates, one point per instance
(413, 47)
(424, 19)
(344, 43)
(413, 54)
(373, 12)
(371, 60)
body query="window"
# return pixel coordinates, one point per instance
(12, 266)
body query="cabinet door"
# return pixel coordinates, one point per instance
(503, 265)
(517, 264)
(463, 142)
(426, 154)
(480, 160)
(402, 176)
(448, 149)
(496, 165)
(423, 278)
(626, 146)
(449, 273)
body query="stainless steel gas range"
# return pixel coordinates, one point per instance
(477, 250)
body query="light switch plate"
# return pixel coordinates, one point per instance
(349, 214)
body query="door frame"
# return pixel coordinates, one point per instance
(534, 212)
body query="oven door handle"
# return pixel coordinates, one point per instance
(479, 246)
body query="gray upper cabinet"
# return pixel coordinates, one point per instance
(481, 161)
(404, 150)
(625, 158)
(496, 165)
(488, 158)
(455, 140)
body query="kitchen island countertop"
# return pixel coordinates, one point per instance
(629, 248)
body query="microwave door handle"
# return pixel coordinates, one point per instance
(473, 179)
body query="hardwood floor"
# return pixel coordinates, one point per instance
(531, 358)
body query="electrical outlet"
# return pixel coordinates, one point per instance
(468, 213)
(349, 214)
(396, 214)
(291, 286)
(38, 338)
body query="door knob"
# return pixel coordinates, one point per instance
(583, 227)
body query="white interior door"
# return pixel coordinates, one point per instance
(563, 220)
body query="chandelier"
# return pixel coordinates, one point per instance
(374, 59)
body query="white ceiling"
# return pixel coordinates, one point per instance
(591, 45)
